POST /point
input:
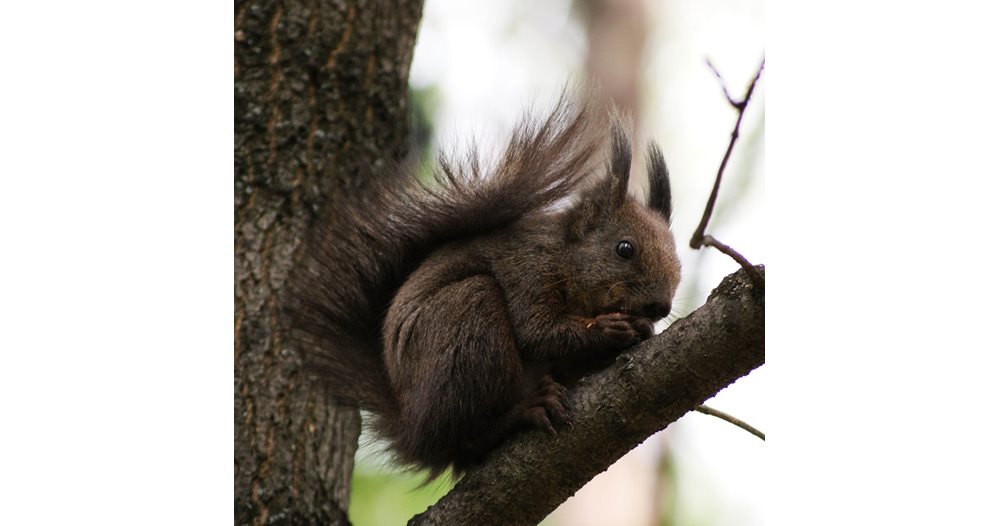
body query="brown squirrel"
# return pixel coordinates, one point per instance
(456, 311)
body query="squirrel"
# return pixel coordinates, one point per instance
(457, 311)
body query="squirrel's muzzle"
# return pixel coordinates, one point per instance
(656, 310)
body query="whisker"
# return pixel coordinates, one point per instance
(570, 278)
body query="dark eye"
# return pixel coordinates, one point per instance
(625, 250)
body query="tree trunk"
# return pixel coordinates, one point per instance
(320, 92)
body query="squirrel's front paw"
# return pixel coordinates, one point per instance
(622, 330)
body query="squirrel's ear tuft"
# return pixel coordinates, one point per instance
(595, 206)
(659, 182)
(621, 164)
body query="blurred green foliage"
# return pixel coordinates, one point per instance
(424, 103)
(380, 497)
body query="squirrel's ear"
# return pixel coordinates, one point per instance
(621, 164)
(596, 205)
(659, 182)
(582, 218)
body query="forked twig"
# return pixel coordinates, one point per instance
(755, 277)
(699, 239)
(704, 409)
(722, 83)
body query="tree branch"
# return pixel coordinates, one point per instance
(699, 239)
(704, 409)
(614, 410)
(710, 241)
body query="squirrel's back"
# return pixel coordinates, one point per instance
(361, 254)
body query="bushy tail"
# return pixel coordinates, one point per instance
(359, 258)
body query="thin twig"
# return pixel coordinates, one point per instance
(704, 409)
(755, 276)
(699, 234)
(722, 83)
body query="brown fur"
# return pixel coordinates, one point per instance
(453, 311)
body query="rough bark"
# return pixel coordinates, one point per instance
(615, 410)
(320, 93)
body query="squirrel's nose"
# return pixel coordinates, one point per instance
(656, 310)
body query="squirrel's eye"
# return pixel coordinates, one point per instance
(625, 250)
